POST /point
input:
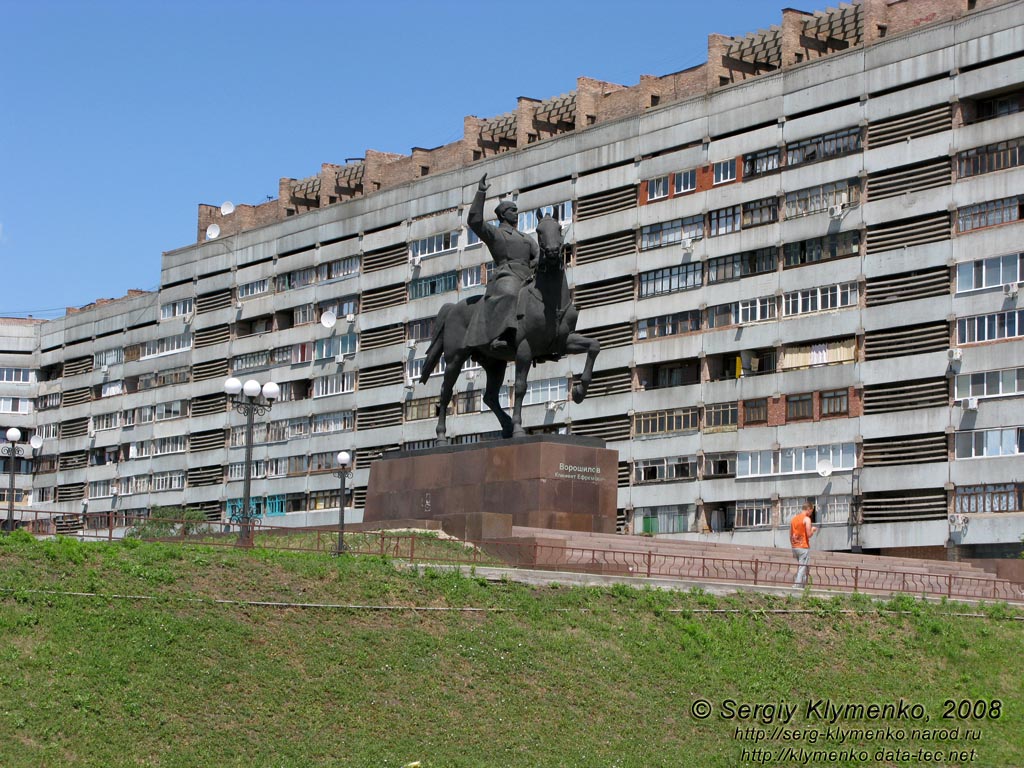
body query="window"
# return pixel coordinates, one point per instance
(435, 244)
(304, 314)
(100, 489)
(835, 402)
(1004, 441)
(297, 278)
(665, 470)
(236, 471)
(669, 518)
(471, 277)
(668, 325)
(717, 465)
(113, 356)
(168, 481)
(758, 212)
(739, 264)
(723, 315)
(725, 171)
(988, 214)
(666, 422)
(166, 346)
(255, 288)
(332, 346)
(822, 248)
(176, 308)
(1000, 325)
(789, 461)
(668, 232)
(470, 401)
(820, 299)
(754, 513)
(342, 308)
(657, 188)
(17, 404)
(431, 286)
(339, 421)
(804, 202)
(560, 212)
(248, 361)
(420, 330)
(422, 408)
(111, 388)
(724, 220)
(174, 409)
(1008, 381)
(720, 416)
(681, 277)
(998, 106)
(994, 157)
(755, 411)
(799, 407)
(323, 462)
(684, 181)
(988, 499)
(339, 383)
(820, 147)
(757, 163)
(822, 353)
(757, 310)
(173, 444)
(987, 273)
(338, 269)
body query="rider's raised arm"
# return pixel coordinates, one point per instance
(475, 220)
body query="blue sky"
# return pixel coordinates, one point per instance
(121, 117)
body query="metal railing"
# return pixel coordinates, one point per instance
(931, 579)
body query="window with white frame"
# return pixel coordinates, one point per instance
(15, 405)
(114, 356)
(665, 470)
(173, 444)
(176, 308)
(792, 461)
(546, 390)
(254, 288)
(992, 327)
(297, 427)
(820, 299)
(684, 181)
(988, 443)
(434, 245)
(304, 314)
(168, 481)
(667, 518)
(431, 286)
(236, 470)
(338, 421)
(989, 272)
(753, 513)
(470, 277)
(725, 171)
(999, 383)
(102, 421)
(15, 375)
(173, 409)
(332, 346)
(336, 384)
(166, 346)
(757, 310)
(414, 368)
(111, 388)
(101, 489)
(988, 499)
(297, 278)
(343, 307)
(560, 212)
(48, 431)
(144, 414)
(657, 188)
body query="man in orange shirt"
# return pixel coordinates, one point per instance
(800, 532)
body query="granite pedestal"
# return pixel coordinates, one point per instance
(480, 491)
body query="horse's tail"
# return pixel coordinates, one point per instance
(436, 348)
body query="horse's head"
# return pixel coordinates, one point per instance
(549, 238)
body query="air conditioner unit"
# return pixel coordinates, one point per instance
(953, 355)
(415, 260)
(837, 211)
(343, 357)
(686, 243)
(350, 318)
(969, 403)
(1011, 289)
(411, 343)
(104, 368)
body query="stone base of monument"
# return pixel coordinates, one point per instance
(479, 491)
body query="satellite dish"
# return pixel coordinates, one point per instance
(36, 442)
(212, 232)
(328, 319)
(227, 208)
(825, 467)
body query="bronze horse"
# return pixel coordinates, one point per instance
(546, 330)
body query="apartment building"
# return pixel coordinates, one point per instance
(801, 259)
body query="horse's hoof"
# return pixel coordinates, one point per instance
(578, 393)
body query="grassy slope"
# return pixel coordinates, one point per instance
(558, 677)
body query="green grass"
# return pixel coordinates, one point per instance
(549, 676)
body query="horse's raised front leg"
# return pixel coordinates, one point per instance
(495, 372)
(574, 344)
(453, 367)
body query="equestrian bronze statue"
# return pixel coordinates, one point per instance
(525, 316)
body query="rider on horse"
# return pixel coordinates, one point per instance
(515, 257)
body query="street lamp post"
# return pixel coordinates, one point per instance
(12, 451)
(249, 399)
(344, 473)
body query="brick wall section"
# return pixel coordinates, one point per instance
(596, 101)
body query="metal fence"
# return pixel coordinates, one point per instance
(931, 579)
